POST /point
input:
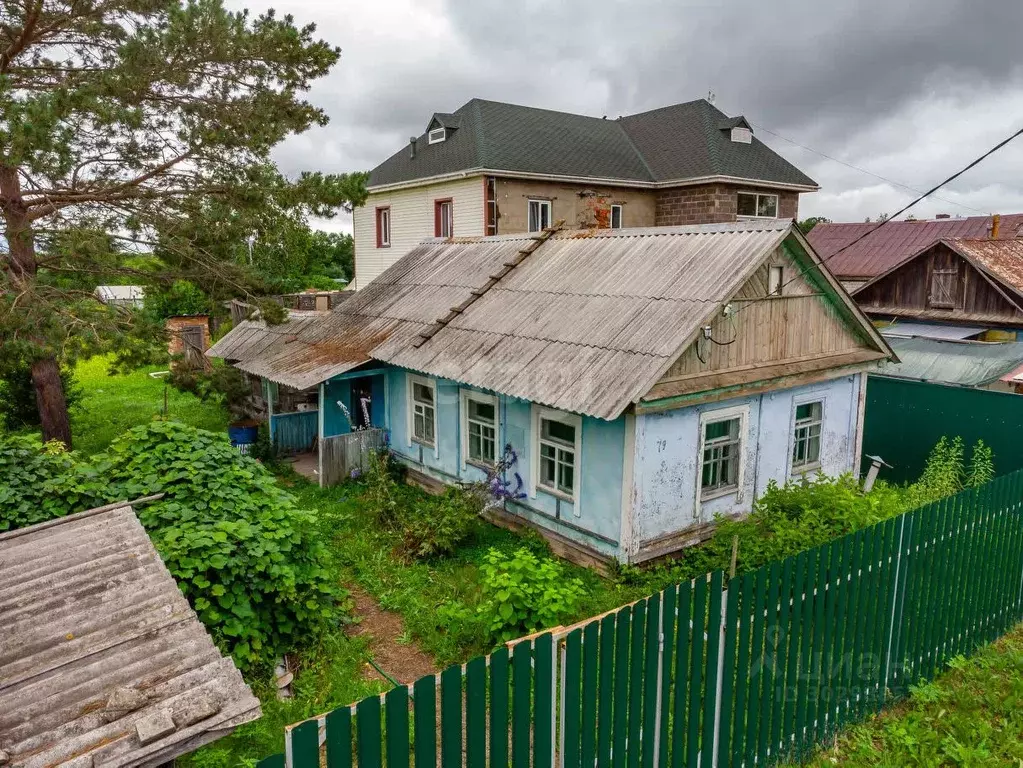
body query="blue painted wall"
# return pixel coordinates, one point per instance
(600, 475)
(667, 444)
(334, 420)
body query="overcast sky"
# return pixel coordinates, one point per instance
(910, 90)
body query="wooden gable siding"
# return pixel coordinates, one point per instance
(905, 292)
(798, 332)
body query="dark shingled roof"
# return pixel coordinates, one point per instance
(683, 141)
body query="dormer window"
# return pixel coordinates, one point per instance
(742, 135)
(437, 135)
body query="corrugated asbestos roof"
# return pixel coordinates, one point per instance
(683, 141)
(102, 660)
(586, 323)
(968, 364)
(896, 241)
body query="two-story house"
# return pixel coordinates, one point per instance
(492, 168)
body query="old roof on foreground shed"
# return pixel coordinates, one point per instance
(102, 661)
(966, 363)
(586, 322)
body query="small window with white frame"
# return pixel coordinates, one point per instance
(423, 410)
(754, 205)
(775, 279)
(721, 449)
(437, 135)
(617, 215)
(479, 431)
(539, 215)
(806, 436)
(558, 446)
(384, 227)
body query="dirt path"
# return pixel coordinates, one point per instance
(405, 663)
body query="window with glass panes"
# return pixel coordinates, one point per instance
(423, 413)
(557, 456)
(806, 438)
(539, 215)
(721, 456)
(481, 424)
(754, 205)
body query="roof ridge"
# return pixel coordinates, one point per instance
(632, 144)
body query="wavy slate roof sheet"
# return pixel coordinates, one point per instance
(896, 241)
(968, 364)
(102, 660)
(586, 323)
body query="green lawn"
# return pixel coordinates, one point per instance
(969, 716)
(112, 404)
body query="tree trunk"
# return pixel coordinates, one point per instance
(53, 415)
(21, 266)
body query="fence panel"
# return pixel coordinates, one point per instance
(295, 432)
(340, 455)
(709, 674)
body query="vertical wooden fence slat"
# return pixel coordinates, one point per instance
(305, 745)
(605, 715)
(669, 612)
(543, 701)
(683, 635)
(571, 712)
(728, 674)
(636, 645)
(943, 558)
(767, 660)
(274, 761)
(591, 654)
(476, 713)
(756, 673)
(367, 716)
(849, 615)
(742, 670)
(499, 682)
(711, 673)
(339, 738)
(424, 718)
(451, 717)
(904, 609)
(620, 729)
(925, 574)
(1001, 557)
(696, 671)
(651, 662)
(781, 665)
(834, 550)
(988, 549)
(962, 570)
(809, 585)
(795, 634)
(522, 678)
(970, 584)
(396, 722)
(841, 616)
(872, 604)
(862, 547)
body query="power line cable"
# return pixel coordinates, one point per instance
(869, 232)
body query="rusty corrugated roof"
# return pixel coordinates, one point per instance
(1003, 259)
(896, 241)
(586, 323)
(102, 660)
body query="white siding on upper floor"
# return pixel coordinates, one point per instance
(412, 221)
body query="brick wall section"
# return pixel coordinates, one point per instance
(712, 204)
(576, 204)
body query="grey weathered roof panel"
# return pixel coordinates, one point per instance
(96, 638)
(969, 364)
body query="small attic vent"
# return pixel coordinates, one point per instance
(437, 135)
(742, 135)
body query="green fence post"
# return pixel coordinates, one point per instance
(605, 713)
(367, 715)
(305, 745)
(475, 713)
(424, 717)
(805, 674)
(669, 611)
(543, 702)
(713, 661)
(728, 674)
(620, 729)
(742, 671)
(756, 670)
(696, 670)
(652, 660)
(499, 682)
(522, 671)
(396, 721)
(339, 738)
(636, 646)
(571, 675)
(450, 717)
(683, 634)
(767, 661)
(591, 655)
(274, 761)
(781, 667)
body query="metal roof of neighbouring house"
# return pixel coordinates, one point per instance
(586, 322)
(909, 328)
(896, 241)
(1001, 259)
(123, 293)
(965, 363)
(675, 143)
(102, 660)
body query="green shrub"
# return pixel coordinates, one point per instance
(247, 559)
(523, 593)
(440, 525)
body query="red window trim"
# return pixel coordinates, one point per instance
(436, 215)
(380, 233)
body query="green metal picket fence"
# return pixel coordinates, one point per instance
(704, 675)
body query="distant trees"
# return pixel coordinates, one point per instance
(807, 224)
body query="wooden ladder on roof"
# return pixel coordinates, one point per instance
(475, 295)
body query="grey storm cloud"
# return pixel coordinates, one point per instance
(908, 89)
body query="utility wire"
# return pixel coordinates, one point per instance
(862, 170)
(869, 232)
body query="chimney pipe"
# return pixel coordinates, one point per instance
(943, 216)
(412, 146)
(995, 221)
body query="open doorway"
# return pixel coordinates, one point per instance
(361, 403)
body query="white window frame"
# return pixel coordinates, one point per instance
(621, 216)
(384, 226)
(756, 205)
(437, 135)
(710, 417)
(772, 270)
(410, 412)
(445, 213)
(542, 205)
(796, 402)
(464, 396)
(574, 420)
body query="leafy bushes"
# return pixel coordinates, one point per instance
(241, 551)
(523, 593)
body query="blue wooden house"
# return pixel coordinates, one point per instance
(618, 389)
